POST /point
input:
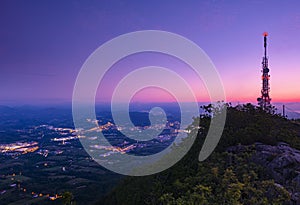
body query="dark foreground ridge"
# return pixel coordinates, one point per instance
(257, 161)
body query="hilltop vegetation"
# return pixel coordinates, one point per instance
(225, 177)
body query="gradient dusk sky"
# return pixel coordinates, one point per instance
(43, 44)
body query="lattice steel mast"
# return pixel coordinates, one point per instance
(265, 101)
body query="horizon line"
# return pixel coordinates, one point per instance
(64, 103)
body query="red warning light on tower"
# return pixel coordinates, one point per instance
(265, 34)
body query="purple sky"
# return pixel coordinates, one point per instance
(43, 44)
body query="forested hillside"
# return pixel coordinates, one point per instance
(255, 162)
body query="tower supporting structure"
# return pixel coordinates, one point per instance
(264, 101)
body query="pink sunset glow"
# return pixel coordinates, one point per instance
(44, 46)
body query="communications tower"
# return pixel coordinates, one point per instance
(265, 101)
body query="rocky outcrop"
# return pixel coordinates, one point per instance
(282, 162)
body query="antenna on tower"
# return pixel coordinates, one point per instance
(265, 101)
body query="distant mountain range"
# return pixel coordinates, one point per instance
(292, 109)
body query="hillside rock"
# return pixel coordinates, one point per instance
(282, 163)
